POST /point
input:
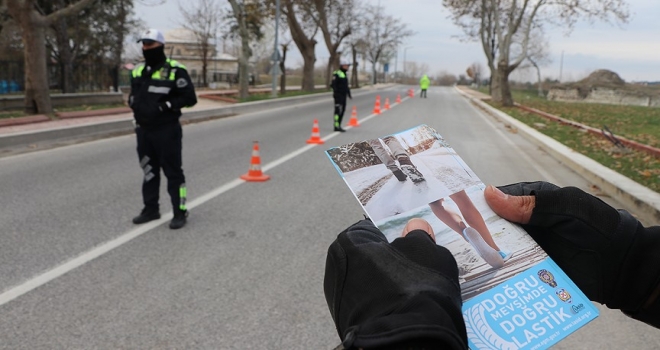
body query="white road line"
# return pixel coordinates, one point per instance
(104, 248)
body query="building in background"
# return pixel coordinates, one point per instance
(182, 45)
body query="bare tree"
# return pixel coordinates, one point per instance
(96, 36)
(33, 26)
(357, 46)
(66, 47)
(383, 33)
(285, 47)
(496, 24)
(475, 71)
(203, 19)
(336, 20)
(248, 21)
(538, 56)
(445, 79)
(303, 30)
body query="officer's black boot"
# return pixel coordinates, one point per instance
(146, 215)
(179, 219)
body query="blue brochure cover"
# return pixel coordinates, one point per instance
(514, 295)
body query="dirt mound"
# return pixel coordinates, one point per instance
(602, 77)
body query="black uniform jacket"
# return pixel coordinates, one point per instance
(340, 85)
(151, 89)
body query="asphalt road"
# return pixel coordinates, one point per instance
(247, 270)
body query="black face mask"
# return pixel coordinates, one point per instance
(155, 56)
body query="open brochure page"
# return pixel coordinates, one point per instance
(514, 295)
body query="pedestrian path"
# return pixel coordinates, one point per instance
(202, 104)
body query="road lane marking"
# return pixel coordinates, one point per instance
(50, 275)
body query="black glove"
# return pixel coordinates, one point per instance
(606, 252)
(382, 294)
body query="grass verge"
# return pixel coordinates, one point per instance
(641, 124)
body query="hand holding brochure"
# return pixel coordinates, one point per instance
(514, 295)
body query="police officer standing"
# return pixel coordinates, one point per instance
(340, 90)
(160, 87)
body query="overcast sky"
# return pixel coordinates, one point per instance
(632, 50)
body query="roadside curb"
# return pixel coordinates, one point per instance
(37, 118)
(125, 125)
(643, 200)
(93, 113)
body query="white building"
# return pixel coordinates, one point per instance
(182, 46)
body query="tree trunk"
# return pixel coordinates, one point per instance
(495, 82)
(243, 77)
(37, 96)
(66, 56)
(116, 55)
(538, 79)
(328, 70)
(205, 71)
(374, 79)
(33, 28)
(283, 71)
(309, 58)
(305, 46)
(355, 83)
(500, 89)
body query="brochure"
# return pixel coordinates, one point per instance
(514, 295)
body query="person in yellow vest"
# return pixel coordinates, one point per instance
(424, 85)
(340, 90)
(160, 88)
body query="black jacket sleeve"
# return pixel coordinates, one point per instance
(184, 93)
(607, 252)
(333, 82)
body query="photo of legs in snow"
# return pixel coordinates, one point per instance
(400, 172)
(416, 174)
(476, 237)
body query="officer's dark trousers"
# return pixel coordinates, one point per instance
(340, 107)
(157, 149)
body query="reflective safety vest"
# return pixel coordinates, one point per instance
(340, 73)
(170, 65)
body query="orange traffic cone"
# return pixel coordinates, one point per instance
(377, 105)
(398, 98)
(411, 93)
(255, 174)
(316, 134)
(354, 121)
(387, 103)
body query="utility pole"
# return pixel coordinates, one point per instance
(396, 62)
(404, 60)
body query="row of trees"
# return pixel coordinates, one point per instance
(64, 31)
(68, 32)
(506, 30)
(347, 27)
(511, 31)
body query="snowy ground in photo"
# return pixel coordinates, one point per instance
(382, 195)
